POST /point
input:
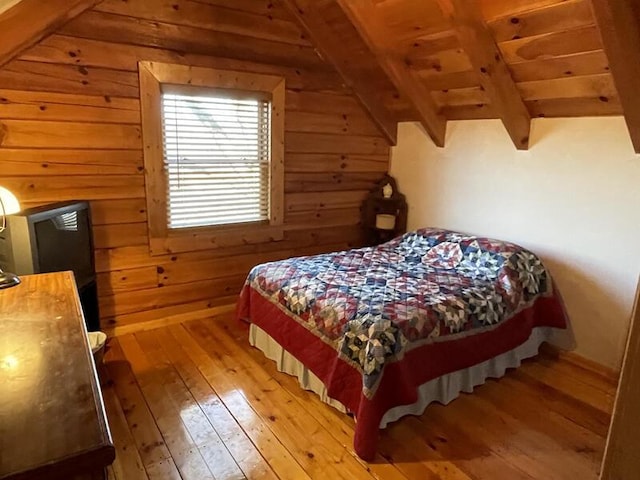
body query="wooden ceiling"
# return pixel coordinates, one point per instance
(437, 60)
(26, 22)
(474, 59)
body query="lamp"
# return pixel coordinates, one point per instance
(8, 206)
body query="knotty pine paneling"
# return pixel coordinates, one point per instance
(57, 162)
(20, 105)
(585, 63)
(307, 239)
(543, 42)
(584, 39)
(211, 17)
(74, 79)
(537, 21)
(73, 51)
(143, 32)
(70, 129)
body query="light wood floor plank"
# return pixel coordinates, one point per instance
(468, 452)
(340, 426)
(235, 439)
(419, 457)
(220, 462)
(183, 449)
(318, 453)
(556, 452)
(279, 458)
(567, 383)
(143, 428)
(195, 401)
(164, 470)
(523, 448)
(578, 373)
(563, 403)
(128, 464)
(573, 437)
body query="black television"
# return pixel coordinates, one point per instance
(53, 238)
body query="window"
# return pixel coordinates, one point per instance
(216, 155)
(213, 156)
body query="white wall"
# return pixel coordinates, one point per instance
(573, 198)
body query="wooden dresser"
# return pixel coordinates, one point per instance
(52, 418)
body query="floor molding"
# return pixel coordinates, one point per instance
(609, 374)
(170, 320)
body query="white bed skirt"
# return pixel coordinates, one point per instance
(443, 389)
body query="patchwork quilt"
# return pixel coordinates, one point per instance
(372, 306)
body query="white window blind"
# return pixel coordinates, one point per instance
(216, 155)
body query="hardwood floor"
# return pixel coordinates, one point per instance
(195, 401)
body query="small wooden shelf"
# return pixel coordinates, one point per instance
(377, 204)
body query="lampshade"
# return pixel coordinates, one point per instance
(385, 221)
(8, 202)
(8, 206)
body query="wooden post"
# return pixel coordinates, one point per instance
(477, 41)
(620, 29)
(621, 459)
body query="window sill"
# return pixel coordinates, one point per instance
(210, 238)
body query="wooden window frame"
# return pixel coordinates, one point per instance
(162, 239)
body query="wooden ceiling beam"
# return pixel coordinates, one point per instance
(477, 41)
(29, 21)
(405, 79)
(309, 14)
(619, 24)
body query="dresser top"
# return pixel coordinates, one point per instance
(52, 418)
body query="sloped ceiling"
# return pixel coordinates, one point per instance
(437, 60)
(506, 59)
(26, 22)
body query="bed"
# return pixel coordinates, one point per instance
(381, 332)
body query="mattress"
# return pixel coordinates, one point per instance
(375, 324)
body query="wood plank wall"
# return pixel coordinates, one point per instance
(70, 129)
